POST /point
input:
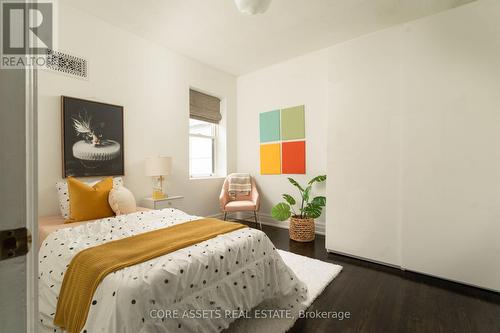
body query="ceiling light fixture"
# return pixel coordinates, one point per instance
(252, 7)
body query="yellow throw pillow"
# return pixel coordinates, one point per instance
(89, 202)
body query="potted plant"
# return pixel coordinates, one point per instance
(301, 220)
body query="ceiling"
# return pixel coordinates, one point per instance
(215, 33)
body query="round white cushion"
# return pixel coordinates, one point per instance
(122, 201)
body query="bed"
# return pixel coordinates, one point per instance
(200, 288)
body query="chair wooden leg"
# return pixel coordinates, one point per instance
(225, 215)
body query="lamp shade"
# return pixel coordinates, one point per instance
(158, 166)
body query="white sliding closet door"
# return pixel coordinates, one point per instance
(363, 148)
(451, 146)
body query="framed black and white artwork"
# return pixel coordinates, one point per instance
(92, 138)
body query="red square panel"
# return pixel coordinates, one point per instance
(294, 157)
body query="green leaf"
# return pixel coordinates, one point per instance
(281, 211)
(313, 211)
(317, 179)
(294, 183)
(289, 199)
(320, 201)
(306, 193)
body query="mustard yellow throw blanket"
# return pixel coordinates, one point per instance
(90, 266)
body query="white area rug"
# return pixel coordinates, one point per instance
(314, 273)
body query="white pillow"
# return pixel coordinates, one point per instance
(63, 194)
(122, 201)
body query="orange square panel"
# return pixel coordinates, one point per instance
(294, 157)
(270, 161)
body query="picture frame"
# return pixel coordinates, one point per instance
(92, 138)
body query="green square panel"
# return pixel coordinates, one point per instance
(293, 123)
(270, 126)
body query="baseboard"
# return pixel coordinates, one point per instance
(216, 216)
(403, 269)
(267, 219)
(365, 259)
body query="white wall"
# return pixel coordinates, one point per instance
(296, 82)
(414, 144)
(152, 84)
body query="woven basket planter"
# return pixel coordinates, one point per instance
(301, 230)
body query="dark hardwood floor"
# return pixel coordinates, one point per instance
(383, 299)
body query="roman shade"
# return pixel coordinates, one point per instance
(204, 107)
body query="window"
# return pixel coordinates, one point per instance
(207, 144)
(202, 148)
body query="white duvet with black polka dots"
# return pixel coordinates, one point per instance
(193, 289)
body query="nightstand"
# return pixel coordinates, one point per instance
(170, 202)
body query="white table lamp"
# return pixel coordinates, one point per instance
(158, 167)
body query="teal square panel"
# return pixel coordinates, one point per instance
(293, 123)
(270, 126)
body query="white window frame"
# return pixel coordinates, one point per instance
(213, 137)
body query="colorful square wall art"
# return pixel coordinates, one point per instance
(293, 157)
(282, 141)
(270, 159)
(270, 128)
(293, 123)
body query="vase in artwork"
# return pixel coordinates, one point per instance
(106, 151)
